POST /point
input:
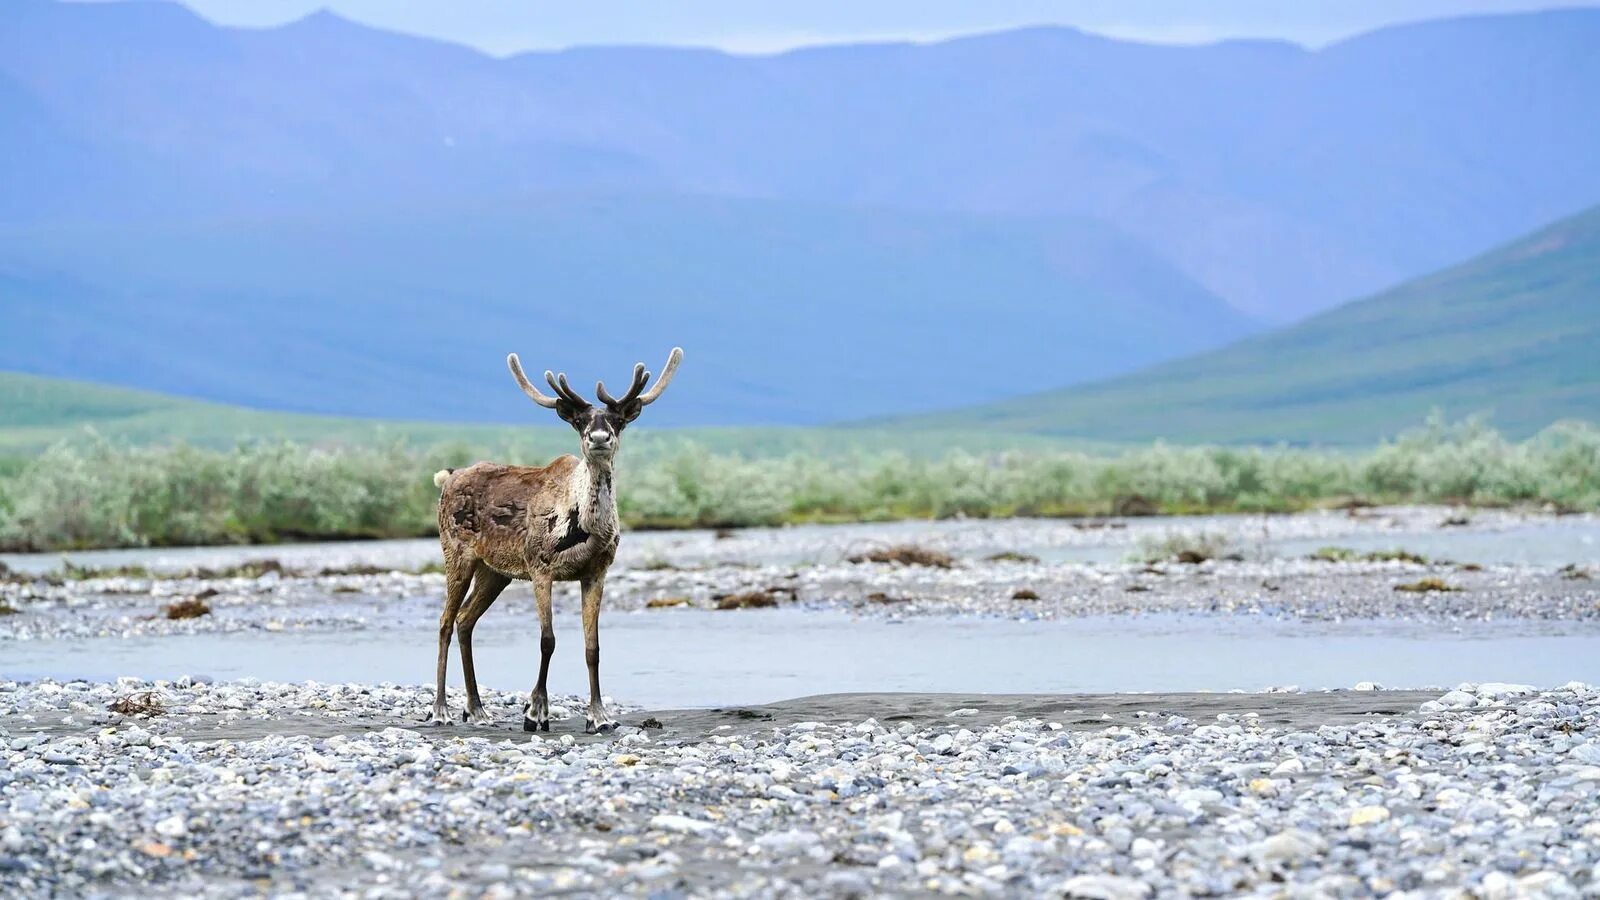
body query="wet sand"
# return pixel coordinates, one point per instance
(1077, 712)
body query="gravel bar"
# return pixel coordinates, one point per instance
(1287, 589)
(331, 790)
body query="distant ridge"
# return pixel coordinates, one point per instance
(1513, 334)
(1281, 179)
(37, 413)
(790, 313)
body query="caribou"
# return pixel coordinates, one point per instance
(541, 524)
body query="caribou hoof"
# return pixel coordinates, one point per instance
(536, 713)
(477, 717)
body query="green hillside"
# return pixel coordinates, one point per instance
(37, 412)
(1512, 335)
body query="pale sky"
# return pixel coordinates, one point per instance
(764, 26)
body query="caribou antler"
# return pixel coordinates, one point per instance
(527, 386)
(640, 378)
(558, 383)
(565, 391)
(666, 377)
(673, 358)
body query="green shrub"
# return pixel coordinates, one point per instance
(1183, 546)
(102, 495)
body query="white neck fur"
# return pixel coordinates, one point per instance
(594, 493)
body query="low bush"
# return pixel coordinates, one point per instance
(190, 608)
(1184, 547)
(102, 495)
(907, 555)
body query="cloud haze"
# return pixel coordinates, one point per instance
(510, 26)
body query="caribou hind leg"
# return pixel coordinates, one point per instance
(457, 578)
(486, 587)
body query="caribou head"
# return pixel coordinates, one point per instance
(599, 426)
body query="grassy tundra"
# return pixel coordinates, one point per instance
(103, 495)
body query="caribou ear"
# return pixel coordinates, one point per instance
(570, 414)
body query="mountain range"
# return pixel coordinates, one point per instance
(325, 217)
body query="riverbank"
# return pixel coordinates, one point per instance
(1404, 564)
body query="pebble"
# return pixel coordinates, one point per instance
(1368, 815)
(789, 843)
(1288, 846)
(1104, 887)
(680, 824)
(1456, 700)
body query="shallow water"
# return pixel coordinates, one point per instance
(1554, 543)
(697, 658)
(1493, 538)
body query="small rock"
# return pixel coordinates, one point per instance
(1287, 846)
(1368, 815)
(1498, 690)
(1586, 753)
(789, 843)
(680, 824)
(1104, 887)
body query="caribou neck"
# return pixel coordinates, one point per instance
(596, 496)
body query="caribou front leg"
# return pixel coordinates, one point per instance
(537, 716)
(597, 720)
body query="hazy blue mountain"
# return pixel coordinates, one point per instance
(1284, 180)
(788, 312)
(1512, 334)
